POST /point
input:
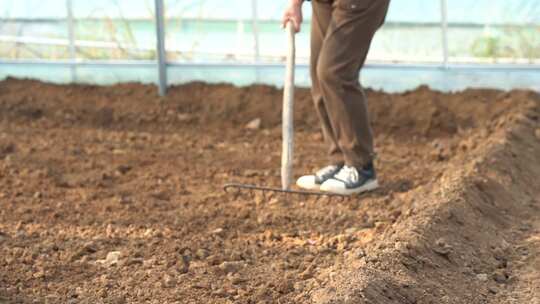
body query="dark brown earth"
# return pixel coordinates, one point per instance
(113, 195)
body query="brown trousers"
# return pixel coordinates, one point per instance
(341, 34)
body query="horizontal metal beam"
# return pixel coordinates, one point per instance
(77, 43)
(82, 63)
(375, 65)
(263, 57)
(371, 65)
(429, 23)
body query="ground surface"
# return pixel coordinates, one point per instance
(111, 195)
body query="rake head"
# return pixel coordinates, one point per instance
(237, 188)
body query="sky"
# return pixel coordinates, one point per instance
(459, 11)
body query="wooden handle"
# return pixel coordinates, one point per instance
(288, 112)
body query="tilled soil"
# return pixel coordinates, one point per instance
(112, 195)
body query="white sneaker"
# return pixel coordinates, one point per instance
(350, 181)
(314, 182)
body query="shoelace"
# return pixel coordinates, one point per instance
(348, 174)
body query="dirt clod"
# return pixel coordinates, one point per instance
(111, 260)
(500, 276)
(104, 116)
(255, 124)
(442, 247)
(482, 277)
(169, 281)
(231, 267)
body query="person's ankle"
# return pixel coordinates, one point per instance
(368, 167)
(365, 167)
(339, 164)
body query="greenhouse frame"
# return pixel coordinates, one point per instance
(177, 49)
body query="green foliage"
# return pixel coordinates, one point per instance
(510, 42)
(487, 47)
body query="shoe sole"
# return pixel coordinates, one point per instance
(369, 186)
(313, 188)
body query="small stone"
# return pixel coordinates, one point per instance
(231, 267)
(87, 248)
(500, 277)
(123, 169)
(37, 195)
(440, 152)
(442, 248)
(255, 124)
(201, 285)
(183, 117)
(493, 290)
(231, 292)
(505, 245)
(273, 201)
(482, 277)
(39, 274)
(169, 281)
(537, 133)
(202, 254)
(235, 279)
(351, 231)
(372, 258)
(135, 261)
(306, 275)
(123, 200)
(218, 232)
(161, 195)
(360, 253)
(524, 228)
(214, 260)
(317, 136)
(285, 286)
(251, 173)
(220, 292)
(111, 259)
(402, 248)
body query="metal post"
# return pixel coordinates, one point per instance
(71, 37)
(444, 31)
(255, 28)
(161, 52)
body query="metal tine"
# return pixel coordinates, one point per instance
(237, 194)
(268, 191)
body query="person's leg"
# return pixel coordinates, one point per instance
(339, 60)
(320, 22)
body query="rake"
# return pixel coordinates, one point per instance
(288, 134)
